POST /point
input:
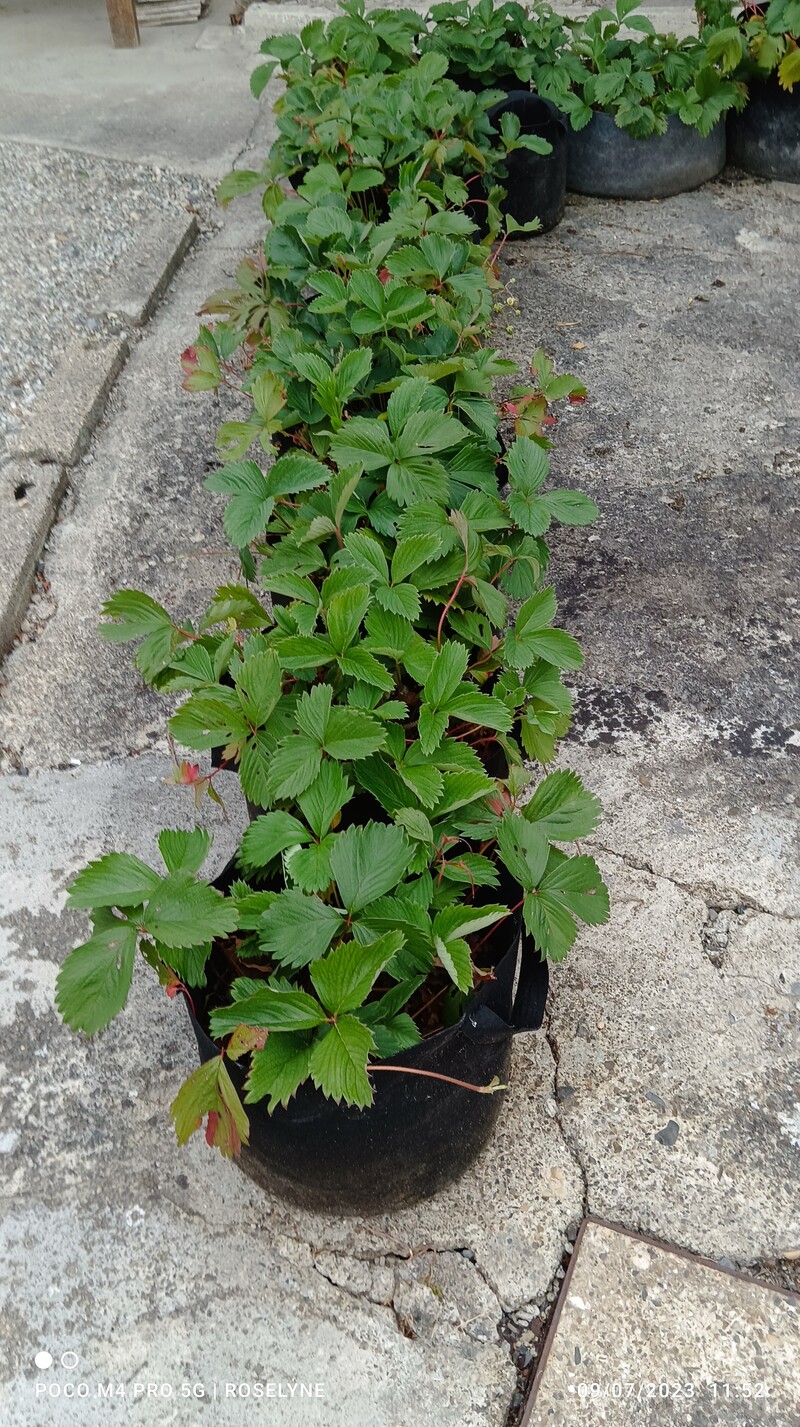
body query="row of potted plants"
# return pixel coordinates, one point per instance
(601, 83)
(383, 675)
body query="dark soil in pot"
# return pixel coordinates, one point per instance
(605, 161)
(765, 138)
(420, 1133)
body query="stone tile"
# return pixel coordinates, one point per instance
(644, 1335)
(678, 1074)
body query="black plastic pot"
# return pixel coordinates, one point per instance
(536, 183)
(605, 161)
(765, 138)
(419, 1134)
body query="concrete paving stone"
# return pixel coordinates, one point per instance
(29, 496)
(59, 424)
(135, 290)
(647, 1336)
(140, 516)
(649, 1032)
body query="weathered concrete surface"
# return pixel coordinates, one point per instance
(646, 1336)
(29, 496)
(138, 516)
(181, 99)
(680, 318)
(685, 594)
(678, 1078)
(166, 1265)
(60, 423)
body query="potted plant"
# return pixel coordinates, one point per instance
(645, 109)
(375, 681)
(760, 44)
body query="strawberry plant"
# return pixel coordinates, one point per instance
(386, 679)
(487, 45)
(640, 80)
(753, 41)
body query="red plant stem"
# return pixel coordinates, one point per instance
(451, 601)
(432, 1075)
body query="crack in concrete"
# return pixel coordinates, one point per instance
(569, 1141)
(714, 897)
(403, 1322)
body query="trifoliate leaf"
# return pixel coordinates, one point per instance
(570, 507)
(248, 511)
(459, 921)
(294, 766)
(344, 616)
(267, 836)
(310, 867)
(210, 1091)
(523, 848)
(562, 808)
(446, 673)
(188, 962)
(416, 824)
(184, 912)
(483, 709)
(456, 958)
(572, 888)
(138, 616)
(270, 1009)
(395, 1034)
(325, 798)
(313, 709)
(258, 680)
(431, 727)
(297, 929)
(352, 734)
(368, 861)
(254, 768)
(116, 880)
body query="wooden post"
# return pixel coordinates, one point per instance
(124, 24)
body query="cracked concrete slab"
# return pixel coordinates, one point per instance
(678, 1080)
(645, 1336)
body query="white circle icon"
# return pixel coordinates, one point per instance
(43, 1360)
(69, 1360)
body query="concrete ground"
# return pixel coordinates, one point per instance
(665, 1094)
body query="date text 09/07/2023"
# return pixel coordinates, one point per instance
(716, 1390)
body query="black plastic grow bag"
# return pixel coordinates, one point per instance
(765, 138)
(605, 161)
(536, 183)
(419, 1134)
